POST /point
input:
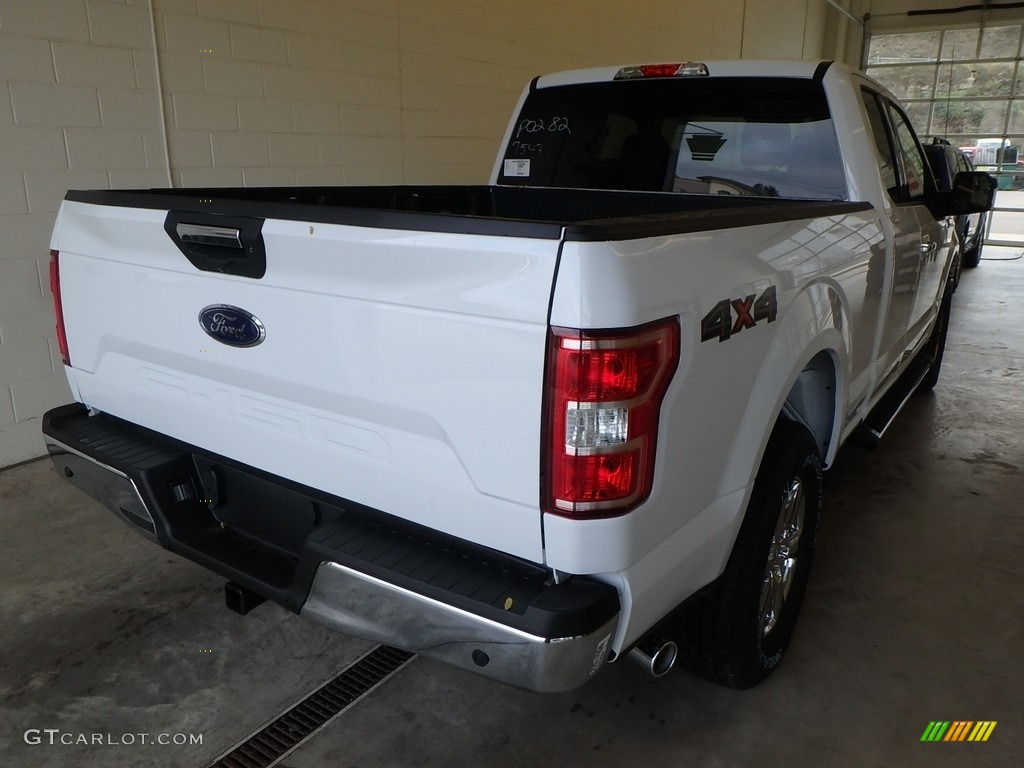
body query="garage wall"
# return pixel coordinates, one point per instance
(77, 109)
(267, 92)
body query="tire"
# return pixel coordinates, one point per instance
(936, 346)
(738, 632)
(972, 258)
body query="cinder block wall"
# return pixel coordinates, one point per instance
(140, 93)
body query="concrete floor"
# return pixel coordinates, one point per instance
(914, 613)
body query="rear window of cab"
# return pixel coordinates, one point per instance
(768, 137)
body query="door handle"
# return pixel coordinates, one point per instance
(230, 245)
(928, 248)
(204, 234)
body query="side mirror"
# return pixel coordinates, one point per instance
(973, 192)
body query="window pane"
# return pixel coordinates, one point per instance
(913, 161)
(960, 44)
(906, 82)
(971, 117)
(964, 143)
(1000, 42)
(900, 49)
(1019, 91)
(883, 148)
(1017, 116)
(995, 155)
(918, 112)
(1012, 168)
(747, 136)
(974, 80)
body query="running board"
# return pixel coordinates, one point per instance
(871, 430)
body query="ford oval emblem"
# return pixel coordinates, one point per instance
(232, 326)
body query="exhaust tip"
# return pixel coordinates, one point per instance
(657, 657)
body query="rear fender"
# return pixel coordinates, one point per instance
(812, 331)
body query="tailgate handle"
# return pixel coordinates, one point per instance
(204, 234)
(214, 242)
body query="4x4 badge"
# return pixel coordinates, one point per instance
(719, 323)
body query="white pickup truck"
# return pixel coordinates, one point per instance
(529, 427)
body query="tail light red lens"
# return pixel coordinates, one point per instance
(58, 310)
(604, 396)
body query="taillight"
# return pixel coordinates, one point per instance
(604, 395)
(62, 337)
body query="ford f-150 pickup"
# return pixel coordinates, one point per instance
(529, 427)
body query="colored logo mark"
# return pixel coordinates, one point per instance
(958, 730)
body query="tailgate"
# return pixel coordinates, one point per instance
(399, 369)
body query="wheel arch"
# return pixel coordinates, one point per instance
(813, 401)
(802, 379)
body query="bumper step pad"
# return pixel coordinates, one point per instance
(271, 535)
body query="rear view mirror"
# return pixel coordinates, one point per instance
(973, 192)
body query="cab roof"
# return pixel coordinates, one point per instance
(802, 68)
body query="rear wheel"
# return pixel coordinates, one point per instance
(738, 633)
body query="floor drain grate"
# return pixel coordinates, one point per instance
(289, 729)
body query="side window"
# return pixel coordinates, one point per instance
(914, 164)
(883, 146)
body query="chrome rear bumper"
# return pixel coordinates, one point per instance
(554, 639)
(357, 604)
(112, 488)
